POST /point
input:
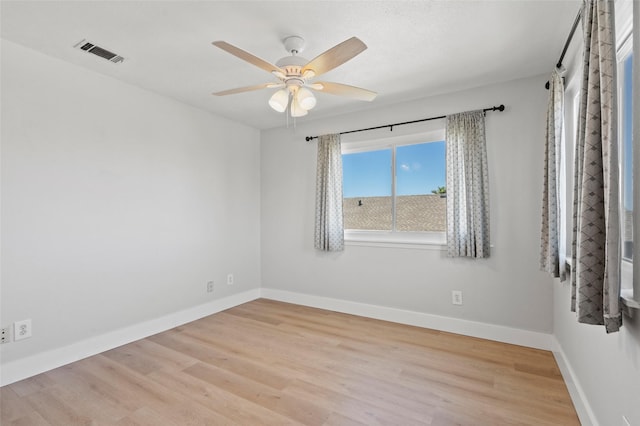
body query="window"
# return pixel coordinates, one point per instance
(624, 32)
(366, 190)
(394, 191)
(626, 150)
(625, 64)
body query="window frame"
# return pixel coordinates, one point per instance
(626, 265)
(399, 239)
(571, 123)
(624, 10)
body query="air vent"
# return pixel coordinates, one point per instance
(98, 51)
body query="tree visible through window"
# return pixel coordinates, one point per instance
(400, 188)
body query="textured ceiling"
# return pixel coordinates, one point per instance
(415, 48)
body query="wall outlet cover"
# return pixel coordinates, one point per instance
(5, 335)
(22, 329)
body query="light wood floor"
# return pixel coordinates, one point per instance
(271, 363)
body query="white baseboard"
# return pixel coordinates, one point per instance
(26, 367)
(39, 363)
(498, 333)
(580, 402)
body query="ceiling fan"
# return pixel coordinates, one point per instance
(295, 74)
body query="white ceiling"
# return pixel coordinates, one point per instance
(415, 48)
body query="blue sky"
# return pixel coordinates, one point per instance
(419, 168)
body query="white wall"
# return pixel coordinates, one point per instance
(118, 205)
(507, 289)
(606, 367)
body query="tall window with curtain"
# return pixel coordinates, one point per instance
(329, 229)
(595, 278)
(551, 237)
(467, 186)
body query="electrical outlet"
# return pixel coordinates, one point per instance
(230, 280)
(22, 329)
(456, 297)
(5, 335)
(210, 287)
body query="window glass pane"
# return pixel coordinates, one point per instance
(420, 187)
(627, 160)
(366, 189)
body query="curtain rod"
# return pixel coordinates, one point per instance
(391, 126)
(566, 43)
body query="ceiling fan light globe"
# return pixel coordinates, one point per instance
(307, 74)
(279, 100)
(296, 109)
(305, 98)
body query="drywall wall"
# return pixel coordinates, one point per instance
(508, 289)
(118, 205)
(605, 367)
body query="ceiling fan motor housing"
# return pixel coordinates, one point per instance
(292, 65)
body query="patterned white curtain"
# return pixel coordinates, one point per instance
(467, 186)
(552, 258)
(329, 232)
(595, 277)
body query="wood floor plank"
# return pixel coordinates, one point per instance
(146, 393)
(303, 411)
(336, 419)
(54, 409)
(31, 419)
(12, 406)
(32, 385)
(145, 417)
(356, 407)
(272, 363)
(237, 409)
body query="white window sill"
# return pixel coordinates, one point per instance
(406, 240)
(626, 293)
(626, 296)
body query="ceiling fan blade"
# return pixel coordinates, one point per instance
(249, 88)
(248, 57)
(337, 55)
(344, 90)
